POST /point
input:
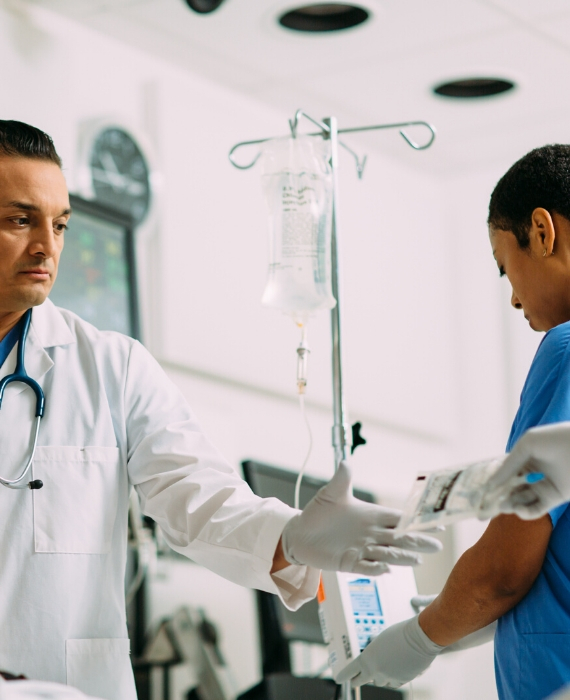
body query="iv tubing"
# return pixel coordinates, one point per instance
(309, 450)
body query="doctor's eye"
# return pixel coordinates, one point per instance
(501, 271)
(21, 220)
(60, 228)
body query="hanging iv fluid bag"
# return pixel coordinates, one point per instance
(298, 188)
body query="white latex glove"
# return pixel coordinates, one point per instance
(39, 690)
(545, 449)
(337, 532)
(475, 639)
(563, 694)
(396, 656)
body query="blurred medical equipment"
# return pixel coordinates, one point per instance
(144, 543)
(20, 375)
(189, 638)
(342, 432)
(447, 496)
(355, 609)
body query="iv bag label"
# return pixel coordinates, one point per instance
(300, 222)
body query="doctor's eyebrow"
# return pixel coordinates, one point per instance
(25, 206)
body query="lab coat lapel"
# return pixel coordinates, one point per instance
(48, 329)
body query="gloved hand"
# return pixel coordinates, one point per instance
(396, 656)
(337, 532)
(545, 449)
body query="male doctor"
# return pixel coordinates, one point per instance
(113, 421)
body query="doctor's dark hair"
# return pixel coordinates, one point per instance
(22, 140)
(539, 179)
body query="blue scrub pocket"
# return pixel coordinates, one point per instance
(544, 665)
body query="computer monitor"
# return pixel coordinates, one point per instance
(280, 626)
(97, 271)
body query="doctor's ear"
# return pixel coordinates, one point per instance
(542, 233)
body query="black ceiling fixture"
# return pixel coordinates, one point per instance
(203, 7)
(470, 88)
(324, 17)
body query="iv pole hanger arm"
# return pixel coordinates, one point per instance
(325, 132)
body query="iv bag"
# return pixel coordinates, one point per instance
(447, 496)
(297, 183)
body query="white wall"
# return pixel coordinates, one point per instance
(433, 360)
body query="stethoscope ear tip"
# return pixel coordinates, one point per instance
(36, 484)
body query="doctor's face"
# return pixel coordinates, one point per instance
(34, 210)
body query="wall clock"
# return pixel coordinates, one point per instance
(115, 170)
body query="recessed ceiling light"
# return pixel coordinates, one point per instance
(470, 88)
(324, 17)
(204, 6)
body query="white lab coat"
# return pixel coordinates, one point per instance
(39, 690)
(112, 420)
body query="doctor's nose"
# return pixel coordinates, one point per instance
(515, 301)
(43, 243)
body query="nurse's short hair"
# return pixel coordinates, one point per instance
(539, 179)
(22, 140)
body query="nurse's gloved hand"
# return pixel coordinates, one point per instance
(337, 532)
(545, 450)
(396, 656)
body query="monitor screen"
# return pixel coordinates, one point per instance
(96, 277)
(267, 481)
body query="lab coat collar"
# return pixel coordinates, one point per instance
(48, 329)
(49, 326)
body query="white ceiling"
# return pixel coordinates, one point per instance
(381, 71)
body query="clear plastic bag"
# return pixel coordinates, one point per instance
(297, 183)
(448, 495)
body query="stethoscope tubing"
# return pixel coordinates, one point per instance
(20, 375)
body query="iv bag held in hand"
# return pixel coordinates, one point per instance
(297, 183)
(447, 496)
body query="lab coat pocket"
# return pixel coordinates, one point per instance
(545, 659)
(75, 511)
(100, 667)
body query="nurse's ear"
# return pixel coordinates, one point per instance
(542, 233)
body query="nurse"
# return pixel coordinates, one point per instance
(113, 421)
(514, 583)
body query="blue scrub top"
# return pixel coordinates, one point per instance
(8, 342)
(532, 642)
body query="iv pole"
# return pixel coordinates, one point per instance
(341, 431)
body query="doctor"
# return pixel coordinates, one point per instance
(113, 421)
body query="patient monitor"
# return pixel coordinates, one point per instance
(353, 609)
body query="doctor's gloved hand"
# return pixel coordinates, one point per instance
(545, 450)
(396, 656)
(337, 532)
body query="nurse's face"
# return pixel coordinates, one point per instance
(34, 210)
(540, 274)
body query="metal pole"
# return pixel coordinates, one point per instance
(341, 432)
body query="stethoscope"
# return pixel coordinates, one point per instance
(20, 375)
